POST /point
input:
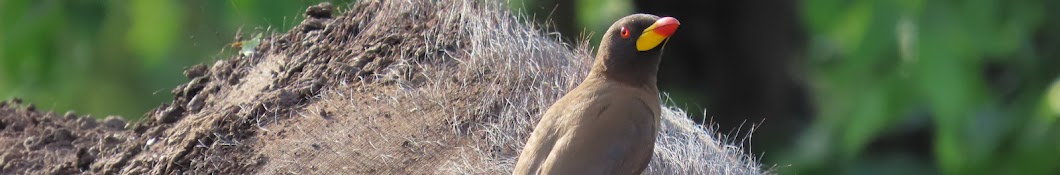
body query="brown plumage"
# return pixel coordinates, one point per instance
(608, 124)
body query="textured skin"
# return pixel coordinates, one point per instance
(608, 124)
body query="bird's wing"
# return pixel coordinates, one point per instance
(546, 135)
(615, 137)
(537, 147)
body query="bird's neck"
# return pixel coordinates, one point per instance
(639, 73)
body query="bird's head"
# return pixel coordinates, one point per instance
(632, 48)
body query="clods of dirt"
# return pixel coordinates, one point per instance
(39, 142)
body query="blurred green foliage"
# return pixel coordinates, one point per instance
(121, 57)
(877, 66)
(598, 15)
(591, 19)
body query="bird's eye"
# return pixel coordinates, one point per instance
(624, 32)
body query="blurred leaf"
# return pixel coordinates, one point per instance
(28, 40)
(852, 26)
(874, 61)
(867, 118)
(597, 15)
(155, 27)
(1052, 101)
(821, 14)
(945, 68)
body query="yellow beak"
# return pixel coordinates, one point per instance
(656, 33)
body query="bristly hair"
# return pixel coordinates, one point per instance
(528, 69)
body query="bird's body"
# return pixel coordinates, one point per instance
(608, 124)
(566, 136)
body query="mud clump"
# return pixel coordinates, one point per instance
(47, 143)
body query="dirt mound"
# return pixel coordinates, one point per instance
(47, 143)
(387, 87)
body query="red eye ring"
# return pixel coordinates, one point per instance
(624, 32)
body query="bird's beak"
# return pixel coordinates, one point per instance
(656, 33)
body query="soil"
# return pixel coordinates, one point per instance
(384, 87)
(306, 101)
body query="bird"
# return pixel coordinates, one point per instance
(609, 122)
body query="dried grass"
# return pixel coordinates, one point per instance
(493, 73)
(515, 72)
